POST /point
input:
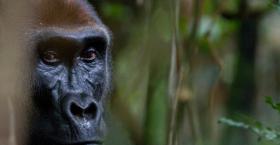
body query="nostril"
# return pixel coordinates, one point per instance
(91, 111)
(88, 113)
(76, 110)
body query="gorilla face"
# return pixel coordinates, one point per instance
(71, 76)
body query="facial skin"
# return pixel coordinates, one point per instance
(71, 76)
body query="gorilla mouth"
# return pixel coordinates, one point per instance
(86, 143)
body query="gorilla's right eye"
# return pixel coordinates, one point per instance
(50, 57)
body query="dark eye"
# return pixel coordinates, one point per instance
(50, 57)
(88, 55)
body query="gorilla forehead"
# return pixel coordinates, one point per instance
(68, 13)
(78, 33)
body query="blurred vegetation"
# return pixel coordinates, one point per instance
(180, 65)
(271, 134)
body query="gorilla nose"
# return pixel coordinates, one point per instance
(84, 112)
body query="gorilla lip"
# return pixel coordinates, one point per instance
(95, 142)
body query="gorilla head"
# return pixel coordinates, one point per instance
(71, 76)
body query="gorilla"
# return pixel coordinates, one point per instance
(70, 73)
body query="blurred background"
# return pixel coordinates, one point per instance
(179, 68)
(181, 65)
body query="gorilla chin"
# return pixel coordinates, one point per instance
(82, 136)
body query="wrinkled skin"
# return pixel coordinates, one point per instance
(72, 80)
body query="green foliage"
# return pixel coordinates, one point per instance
(231, 6)
(276, 2)
(275, 106)
(248, 123)
(115, 11)
(266, 133)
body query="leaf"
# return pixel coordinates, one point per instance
(275, 106)
(264, 132)
(233, 123)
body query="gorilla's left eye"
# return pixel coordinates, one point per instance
(88, 55)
